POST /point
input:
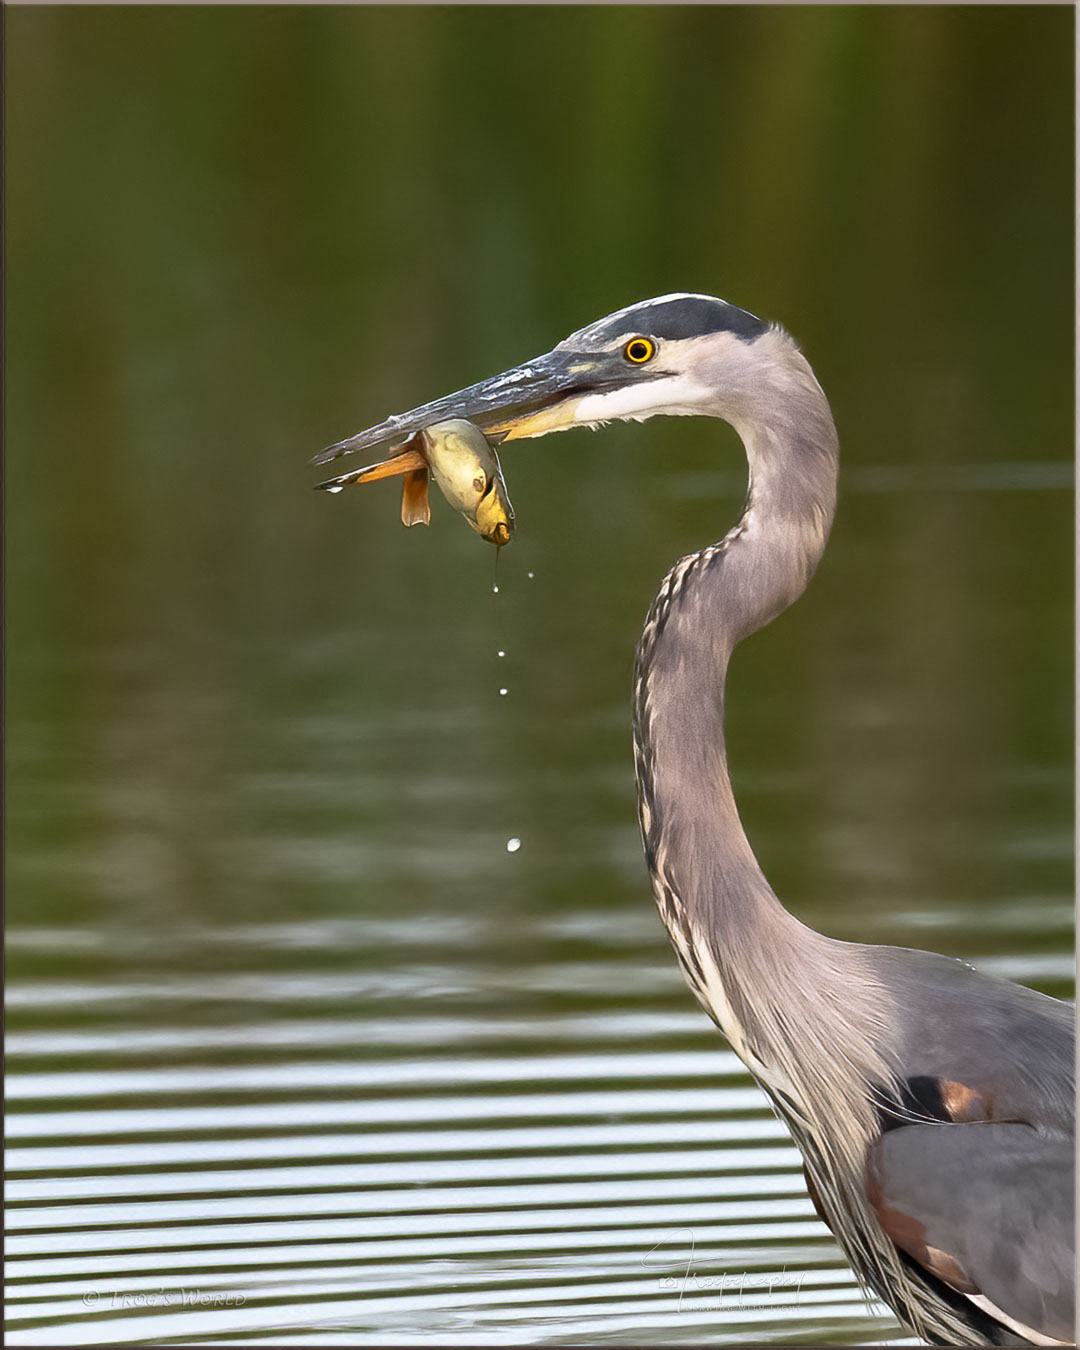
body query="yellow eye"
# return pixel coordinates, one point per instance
(639, 350)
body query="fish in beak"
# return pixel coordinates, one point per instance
(606, 371)
(530, 400)
(456, 454)
(646, 359)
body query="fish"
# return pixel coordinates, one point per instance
(468, 472)
(464, 465)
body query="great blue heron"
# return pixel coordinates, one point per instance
(933, 1105)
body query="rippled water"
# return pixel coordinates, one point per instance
(443, 1158)
(354, 1130)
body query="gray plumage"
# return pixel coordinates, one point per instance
(933, 1105)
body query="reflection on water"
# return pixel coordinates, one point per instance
(546, 1165)
(300, 1050)
(329, 1162)
(348, 1130)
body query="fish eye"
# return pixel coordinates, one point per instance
(639, 350)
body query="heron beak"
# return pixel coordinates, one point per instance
(530, 400)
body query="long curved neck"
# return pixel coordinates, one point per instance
(807, 1014)
(701, 860)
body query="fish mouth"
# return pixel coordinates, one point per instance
(499, 534)
(529, 400)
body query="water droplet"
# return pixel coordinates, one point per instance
(494, 590)
(531, 575)
(500, 653)
(512, 845)
(337, 489)
(503, 692)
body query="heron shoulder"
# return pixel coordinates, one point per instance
(1011, 1046)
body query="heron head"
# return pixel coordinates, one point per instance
(669, 355)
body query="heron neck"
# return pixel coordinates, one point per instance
(695, 844)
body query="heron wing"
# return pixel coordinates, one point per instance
(988, 1208)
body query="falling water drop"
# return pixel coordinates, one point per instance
(500, 653)
(494, 590)
(503, 693)
(337, 489)
(531, 575)
(512, 845)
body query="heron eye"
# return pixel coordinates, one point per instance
(639, 350)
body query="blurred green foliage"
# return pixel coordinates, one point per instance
(236, 234)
